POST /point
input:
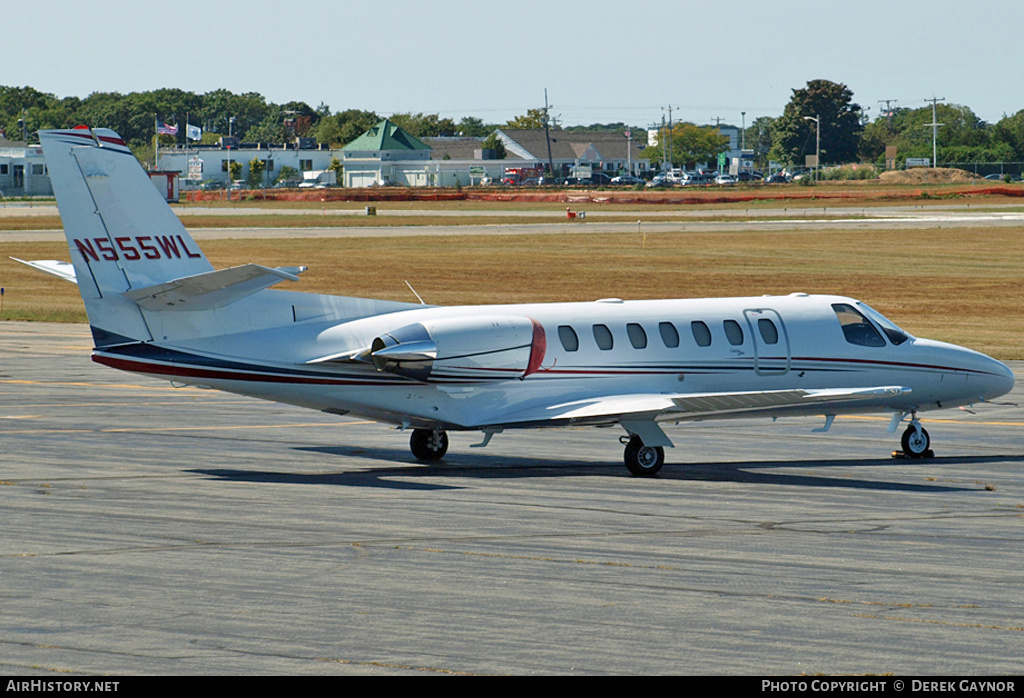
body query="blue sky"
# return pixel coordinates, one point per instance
(599, 61)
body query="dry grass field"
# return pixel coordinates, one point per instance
(958, 285)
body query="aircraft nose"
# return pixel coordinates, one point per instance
(999, 379)
(986, 378)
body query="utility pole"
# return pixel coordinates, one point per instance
(547, 134)
(935, 131)
(889, 111)
(665, 144)
(668, 136)
(629, 151)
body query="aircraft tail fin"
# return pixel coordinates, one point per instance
(122, 235)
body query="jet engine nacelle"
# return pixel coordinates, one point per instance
(457, 349)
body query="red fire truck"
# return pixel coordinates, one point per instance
(522, 176)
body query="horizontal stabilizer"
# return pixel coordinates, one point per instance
(214, 289)
(55, 267)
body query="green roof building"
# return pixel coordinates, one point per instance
(387, 141)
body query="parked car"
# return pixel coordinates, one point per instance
(725, 179)
(627, 180)
(694, 178)
(777, 178)
(660, 180)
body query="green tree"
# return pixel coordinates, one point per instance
(425, 125)
(472, 127)
(492, 142)
(1010, 130)
(532, 119)
(287, 174)
(840, 125)
(344, 127)
(690, 145)
(256, 169)
(962, 136)
(759, 135)
(339, 170)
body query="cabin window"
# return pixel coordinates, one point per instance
(669, 334)
(856, 327)
(733, 332)
(603, 337)
(769, 332)
(701, 333)
(567, 335)
(637, 336)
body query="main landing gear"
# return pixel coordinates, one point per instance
(428, 445)
(641, 460)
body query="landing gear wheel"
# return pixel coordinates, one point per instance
(916, 442)
(428, 445)
(643, 461)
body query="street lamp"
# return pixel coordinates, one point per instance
(231, 125)
(817, 147)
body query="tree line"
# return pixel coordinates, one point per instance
(248, 116)
(822, 107)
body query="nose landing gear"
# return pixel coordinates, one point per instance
(915, 441)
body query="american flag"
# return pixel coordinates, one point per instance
(166, 129)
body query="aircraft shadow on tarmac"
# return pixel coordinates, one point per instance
(515, 467)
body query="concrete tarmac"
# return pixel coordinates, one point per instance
(153, 530)
(597, 221)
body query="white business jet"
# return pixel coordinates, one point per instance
(157, 307)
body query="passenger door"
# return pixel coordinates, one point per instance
(772, 353)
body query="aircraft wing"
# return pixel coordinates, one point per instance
(639, 413)
(54, 267)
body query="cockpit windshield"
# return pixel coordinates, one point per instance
(856, 327)
(859, 329)
(894, 333)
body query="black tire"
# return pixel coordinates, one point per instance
(428, 445)
(915, 445)
(641, 460)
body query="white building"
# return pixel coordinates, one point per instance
(208, 164)
(23, 170)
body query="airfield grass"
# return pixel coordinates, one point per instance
(957, 285)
